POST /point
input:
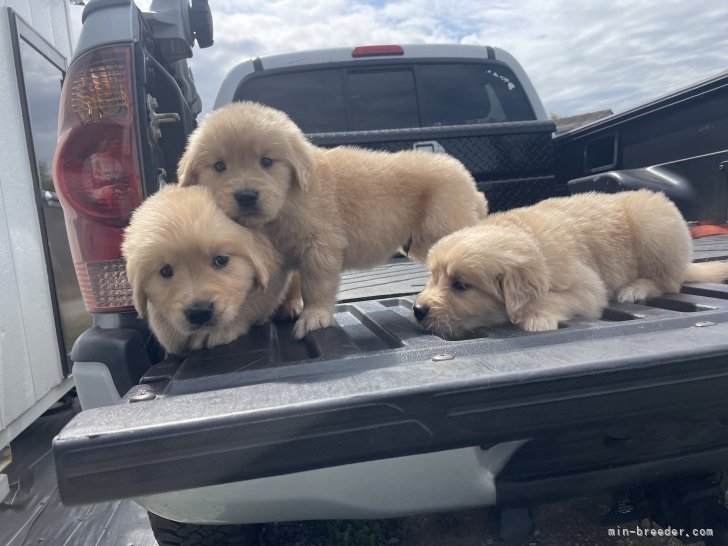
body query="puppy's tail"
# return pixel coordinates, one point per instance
(707, 272)
(482, 206)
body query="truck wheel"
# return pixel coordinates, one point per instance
(174, 533)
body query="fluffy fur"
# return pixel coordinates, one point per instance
(326, 210)
(183, 229)
(563, 257)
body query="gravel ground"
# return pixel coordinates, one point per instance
(559, 524)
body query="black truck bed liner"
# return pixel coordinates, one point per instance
(374, 386)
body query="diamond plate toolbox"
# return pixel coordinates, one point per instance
(511, 162)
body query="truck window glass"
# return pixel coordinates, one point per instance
(382, 100)
(314, 99)
(423, 94)
(467, 94)
(43, 91)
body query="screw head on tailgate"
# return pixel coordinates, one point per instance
(142, 396)
(704, 323)
(442, 356)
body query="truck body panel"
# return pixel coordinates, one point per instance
(677, 143)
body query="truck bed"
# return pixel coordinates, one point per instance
(375, 386)
(403, 277)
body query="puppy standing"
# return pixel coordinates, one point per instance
(203, 279)
(563, 257)
(326, 210)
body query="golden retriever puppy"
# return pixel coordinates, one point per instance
(566, 256)
(326, 209)
(201, 278)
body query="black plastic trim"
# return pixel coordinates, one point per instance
(187, 121)
(97, 5)
(659, 178)
(201, 23)
(123, 350)
(581, 463)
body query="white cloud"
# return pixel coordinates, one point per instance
(587, 56)
(581, 56)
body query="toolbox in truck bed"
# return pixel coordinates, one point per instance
(512, 162)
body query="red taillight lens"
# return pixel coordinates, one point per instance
(97, 172)
(377, 51)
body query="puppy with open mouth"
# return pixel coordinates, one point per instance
(326, 210)
(200, 278)
(563, 257)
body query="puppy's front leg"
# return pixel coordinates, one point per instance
(540, 323)
(586, 297)
(292, 304)
(319, 274)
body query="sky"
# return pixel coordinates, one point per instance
(581, 55)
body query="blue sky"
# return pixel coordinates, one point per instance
(581, 55)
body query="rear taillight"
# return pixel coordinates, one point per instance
(97, 172)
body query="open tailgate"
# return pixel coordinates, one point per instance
(374, 386)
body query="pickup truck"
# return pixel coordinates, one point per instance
(372, 417)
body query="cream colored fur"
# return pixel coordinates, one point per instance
(327, 210)
(183, 228)
(563, 257)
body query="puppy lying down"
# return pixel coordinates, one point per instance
(201, 278)
(326, 210)
(563, 257)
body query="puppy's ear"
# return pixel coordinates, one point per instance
(187, 168)
(302, 160)
(139, 296)
(522, 284)
(259, 250)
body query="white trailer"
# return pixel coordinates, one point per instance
(41, 312)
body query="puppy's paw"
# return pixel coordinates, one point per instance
(639, 290)
(311, 319)
(539, 323)
(629, 295)
(223, 336)
(289, 310)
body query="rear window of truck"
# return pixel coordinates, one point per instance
(355, 98)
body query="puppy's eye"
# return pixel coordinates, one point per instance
(220, 261)
(166, 271)
(220, 166)
(459, 286)
(266, 162)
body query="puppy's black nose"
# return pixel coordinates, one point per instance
(199, 312)
(420, 311)
(246, 198)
